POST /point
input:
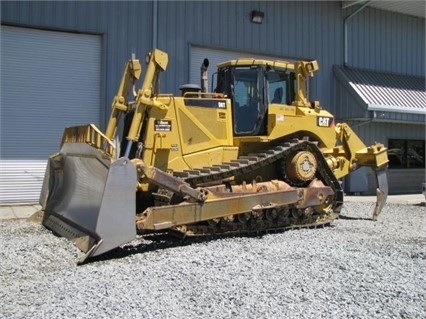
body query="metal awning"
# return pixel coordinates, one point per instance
(384, 93)
(413, 7)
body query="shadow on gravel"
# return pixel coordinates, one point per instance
(354, 218)
(161, 242)
(164, 241)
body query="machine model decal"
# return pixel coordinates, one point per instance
(221, 104)
(163, 125)
(214, 103)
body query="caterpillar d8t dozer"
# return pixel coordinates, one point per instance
(252, 155)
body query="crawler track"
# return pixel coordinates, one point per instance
(255, 225)
(267, 219)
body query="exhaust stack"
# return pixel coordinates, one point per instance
(204, 76)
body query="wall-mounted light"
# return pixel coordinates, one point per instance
(257, 16)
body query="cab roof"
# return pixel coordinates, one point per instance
(254, 62)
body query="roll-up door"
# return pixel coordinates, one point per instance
(49, 80)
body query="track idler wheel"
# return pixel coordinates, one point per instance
(302, 167)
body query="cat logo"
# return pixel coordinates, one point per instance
(323, 121)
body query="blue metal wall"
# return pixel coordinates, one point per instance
(386, 41)
(290, 29)
(377, 39)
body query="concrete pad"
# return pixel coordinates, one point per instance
(6, 212)
(18, 211)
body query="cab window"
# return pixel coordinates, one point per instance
(280, 87)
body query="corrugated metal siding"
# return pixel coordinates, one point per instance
(290, 29)
(401, 181)
(386, 41)
(21, 180)
(369, 132)
(302, 29)
(404, 181)
(348, 104)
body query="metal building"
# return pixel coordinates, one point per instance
(61, 63)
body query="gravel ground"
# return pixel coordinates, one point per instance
(354, 269)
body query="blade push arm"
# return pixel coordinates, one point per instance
(131, 74)
(157, 61)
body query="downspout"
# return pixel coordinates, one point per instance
(154, 23)
(345, 27)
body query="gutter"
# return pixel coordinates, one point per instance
(154, 23)
(345, 27)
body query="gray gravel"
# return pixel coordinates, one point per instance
(354, 269)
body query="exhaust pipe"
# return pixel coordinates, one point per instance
(204, 76)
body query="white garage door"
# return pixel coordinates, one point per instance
(49, 80)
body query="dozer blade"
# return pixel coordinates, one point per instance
(88, 199)
(381, 191)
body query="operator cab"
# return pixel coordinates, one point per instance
(251, 89)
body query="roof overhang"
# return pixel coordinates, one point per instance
(413, 7)
(385, 96)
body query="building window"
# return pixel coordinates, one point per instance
(406, 154)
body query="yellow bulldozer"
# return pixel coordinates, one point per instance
(251, 155)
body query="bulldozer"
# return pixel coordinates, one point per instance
(251, 154)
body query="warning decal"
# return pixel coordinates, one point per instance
(162, 125)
